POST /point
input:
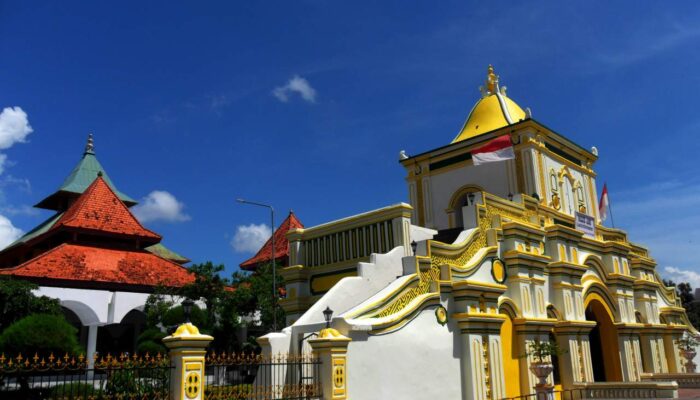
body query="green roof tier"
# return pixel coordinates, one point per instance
(164, 252)
(80, 179)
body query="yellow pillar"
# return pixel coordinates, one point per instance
(331, 348)
(187, 348)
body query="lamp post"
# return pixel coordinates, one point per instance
(327, 314)
(274, 270)
(187, 309)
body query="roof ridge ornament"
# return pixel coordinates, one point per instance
(90, 146)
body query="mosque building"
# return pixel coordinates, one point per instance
(502, 245)
(96, 258)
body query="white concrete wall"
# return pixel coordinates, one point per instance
(96, 307)
(420, 361)
(492, 177)
(351, 291)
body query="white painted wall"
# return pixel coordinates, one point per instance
(350, 291)
(96, 307)
(492, 177)
(420, 361)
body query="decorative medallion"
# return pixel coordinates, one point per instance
(441, 315)
(498, 270)
(192, 385)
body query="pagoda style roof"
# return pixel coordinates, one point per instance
(73, 265)
(99, 209)
(264, 255)
(79, 180)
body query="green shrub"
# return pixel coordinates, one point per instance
(176, 316)
(240, 391)
(132, 380)
(74, 391)
(151, 341)
(42, 334)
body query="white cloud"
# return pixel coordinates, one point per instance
(8, 232)
(295, 85)
(160, 205)
(20, 210)
(14, 127)
(250, 238)
(682, 275)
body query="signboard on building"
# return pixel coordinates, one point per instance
(585, 223)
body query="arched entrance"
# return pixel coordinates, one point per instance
(603, 339)
(459, 199)
(511, 358)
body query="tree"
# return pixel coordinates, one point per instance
(208, 286)
(42, 334)
(254, 298)
(685, 293)
(18, 301)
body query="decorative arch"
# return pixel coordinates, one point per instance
(603, 338)
(553, 313)
(454, 207)
(596, 291)
(507, 306)
(85, 313)
(597, 265)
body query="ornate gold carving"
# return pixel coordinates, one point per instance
(423, 287)
(555, 203)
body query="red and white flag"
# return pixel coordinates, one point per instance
(604, 204)
(499, 149)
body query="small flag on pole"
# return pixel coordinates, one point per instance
(499, 149)
(604, 204)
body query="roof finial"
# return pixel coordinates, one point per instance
(491, 80)
(90, 146)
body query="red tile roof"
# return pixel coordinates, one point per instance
(281, 244)
(69, 262)
(99, 209)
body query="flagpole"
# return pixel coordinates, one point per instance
(612, 220)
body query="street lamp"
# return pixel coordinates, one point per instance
(274, 269)
(327, 314)
(187, 309)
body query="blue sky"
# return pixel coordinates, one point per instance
(305, 105)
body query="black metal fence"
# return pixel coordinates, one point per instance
(73, 378)
(255, 377)
(570, 394)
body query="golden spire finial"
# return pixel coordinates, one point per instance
(491, 80)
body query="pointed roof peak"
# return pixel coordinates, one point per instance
(80, 179)
(281, 244)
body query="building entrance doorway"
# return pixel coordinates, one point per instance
(605, 354)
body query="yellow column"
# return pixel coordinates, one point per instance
(331, 348)
(187, 348)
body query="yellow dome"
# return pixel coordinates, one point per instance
(494, 110)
